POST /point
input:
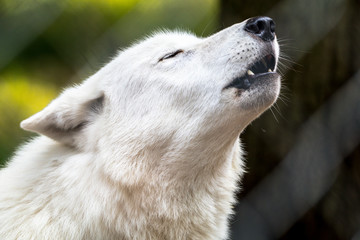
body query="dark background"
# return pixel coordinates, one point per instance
(303, 156)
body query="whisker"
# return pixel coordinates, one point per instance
(210, 22)
(274, 114)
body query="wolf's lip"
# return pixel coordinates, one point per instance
(260, 69)
(246, 81)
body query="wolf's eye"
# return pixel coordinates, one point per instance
(170, 55)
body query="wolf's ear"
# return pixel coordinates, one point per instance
(65, 117)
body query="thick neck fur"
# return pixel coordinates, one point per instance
(169, 191)
(177, 156)
(159, 194)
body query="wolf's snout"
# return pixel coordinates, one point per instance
(263, 27)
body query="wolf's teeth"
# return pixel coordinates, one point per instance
(249, 72)
(269, 70)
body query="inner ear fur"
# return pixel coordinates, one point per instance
(66, 116)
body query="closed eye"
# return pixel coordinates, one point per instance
(170, 55)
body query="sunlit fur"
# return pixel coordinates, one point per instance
(143, 149)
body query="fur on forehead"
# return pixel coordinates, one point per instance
(65, 117)
(164, 40)
(171, 37)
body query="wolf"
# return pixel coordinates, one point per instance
(148, 147)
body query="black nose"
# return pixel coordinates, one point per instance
(263, 27)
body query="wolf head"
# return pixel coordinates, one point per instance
(169, 89)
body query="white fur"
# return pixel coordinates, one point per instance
(143, 149)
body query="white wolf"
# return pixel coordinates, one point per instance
(147, 148)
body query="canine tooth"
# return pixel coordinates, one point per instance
(269, 70)
(249, 72)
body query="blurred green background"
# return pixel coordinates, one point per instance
(48, 45)
(303, 156)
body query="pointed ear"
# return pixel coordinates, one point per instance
(65, 117)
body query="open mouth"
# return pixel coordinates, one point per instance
(264, 66)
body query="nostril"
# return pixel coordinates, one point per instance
(272, 26)
(253, 28)
(263, 27)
